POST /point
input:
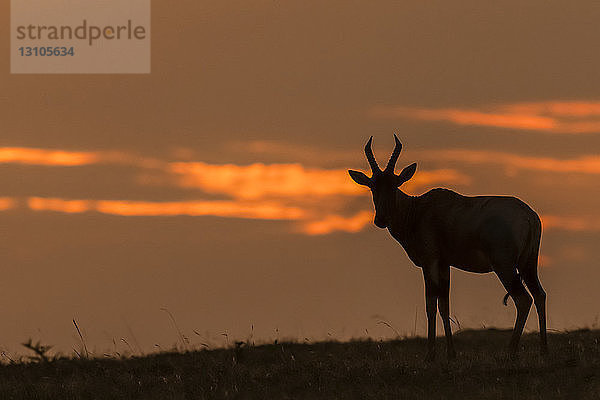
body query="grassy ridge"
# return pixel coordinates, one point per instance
(328, 370)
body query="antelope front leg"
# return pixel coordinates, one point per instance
(444, 305)
(431, 297)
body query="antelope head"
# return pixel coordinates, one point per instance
(383, 184)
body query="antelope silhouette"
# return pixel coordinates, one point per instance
(480, 234)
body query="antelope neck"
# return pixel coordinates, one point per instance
(404, 213)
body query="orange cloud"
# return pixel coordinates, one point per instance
(264, 210)
(234, 209)
(260, 180)
(332, 223)
(550, 116)
(584, 164)
(32, 156)
(6, 203)
(59, 205)
(557, 108)
(471, 117)
(66, 158)
(570, 223)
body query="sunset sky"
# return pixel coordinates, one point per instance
(216, 186)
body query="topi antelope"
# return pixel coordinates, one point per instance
(442, 228)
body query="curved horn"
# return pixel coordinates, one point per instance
(371, 157)
(395, 154)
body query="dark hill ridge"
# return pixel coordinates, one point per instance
(327, 370)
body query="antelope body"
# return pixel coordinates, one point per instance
(442, 228)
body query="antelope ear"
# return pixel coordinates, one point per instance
(359, 177)
(407, 173)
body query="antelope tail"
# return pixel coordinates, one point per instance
(519, 278)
